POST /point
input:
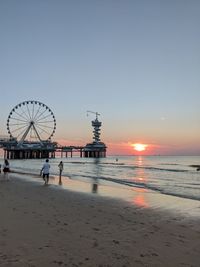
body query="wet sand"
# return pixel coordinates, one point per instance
(45, 226)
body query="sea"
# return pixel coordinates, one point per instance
(166, 175)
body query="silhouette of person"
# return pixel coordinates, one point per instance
(6, 169)
(60, 166)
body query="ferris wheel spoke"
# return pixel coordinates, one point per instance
(28, 111)
(33, 134)
(45, 117)
(19, 128)
(40, 114)
(45, 122)
(18, 124)
(45, 126)
(33, 110)
(17, 119)
(22, 130)
(20, 134)
(24, 113)
(43, 130)
(42, 135)
(36, 113)
(20, 115)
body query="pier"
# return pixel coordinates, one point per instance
(31, 126)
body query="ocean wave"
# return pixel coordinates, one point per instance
(156, 168)
(147, 186)
(127, 166)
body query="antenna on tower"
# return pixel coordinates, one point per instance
(96, 113)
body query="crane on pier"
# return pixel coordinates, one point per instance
(96, 113)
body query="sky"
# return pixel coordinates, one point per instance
(135, 62)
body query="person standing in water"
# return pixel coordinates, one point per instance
(60, 166)
(45, 171)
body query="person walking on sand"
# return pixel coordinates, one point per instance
(60, 166)
(45, 171)
(6, 169)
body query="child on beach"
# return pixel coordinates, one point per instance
(60, 166)
(45, 171)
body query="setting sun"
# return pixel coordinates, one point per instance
(139, 147)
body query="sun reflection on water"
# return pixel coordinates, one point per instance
(140, 177)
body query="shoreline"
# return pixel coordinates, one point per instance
(45, 226)
(140, 197)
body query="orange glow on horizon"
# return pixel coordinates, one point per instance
(139, 147)
(127, 148)
(115, 148)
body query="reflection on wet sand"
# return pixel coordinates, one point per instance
(140, 198)
(140, 177)
(96, 176)
(94, 188)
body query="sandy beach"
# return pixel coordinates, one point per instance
(45, 226)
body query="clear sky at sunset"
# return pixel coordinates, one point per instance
(136, 62)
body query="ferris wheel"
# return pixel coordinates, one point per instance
(31, 121)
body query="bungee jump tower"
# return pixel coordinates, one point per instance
(96, 149)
